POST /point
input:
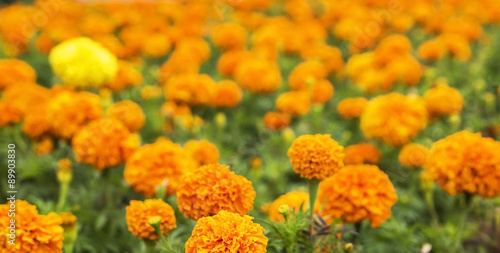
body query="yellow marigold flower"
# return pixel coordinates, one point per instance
(322, 91)
(202, 151)
(34, 232)
(229, 61)
(227, 232)
(227, 94)
(192, 89)
(413, 155)
(294, 200)
(103, 143)
(213, 188)
(443, 100)
(306, 74)
(276, 120)
(356, 193)
(83, 63)
(316, 156)
(127, 76)
(128, 113)
(258, 76)
(362, 153)
(139, 213)
(351, 108)
(294, 102)
(227, 36)
(394, 118)
(465, 162)
(44, 146)
(157, 163)
(14, 71)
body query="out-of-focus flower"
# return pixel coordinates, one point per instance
(362, 153)
(44, 146)
(356, 193)
(151, 91)
(20, 99)
(294, 200)
(227, 232)
(128, 113)
(443, 100)
(83, 63)
(15, 35)
(226, 94)
(213, 188)
(350, 108)
(127, 76)
(322, 91)
(394, 118)
(455, 45)
(306, 74)
(258, 76)
(227, 36)
(229, 61)
(294, 102)
(276, 120)
(465, 162)
(330, 57)
(316, 156)
(191, 89)
(413, 155)
(156, 46)
(139, 213)
(64, 171)
(15, 71)
(203, 151)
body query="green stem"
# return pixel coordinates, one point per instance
(313, 194)
(432, 207)
(63, 193)
(466, 206)
(164, 239)
(150, 246)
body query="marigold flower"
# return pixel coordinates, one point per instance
(306, 74)
(44, 146)
(83, 63)
(155, 164)
(294, 102)
(15, 35)
(329, 56)
(394, 118)
(229, 61)
(294, 200)
(14, 71)
(202, 151)
(316, 156)
(227, 36)
(36, 123)
(465, 162)
(362, 153)
(19, 99)
(350, 108)
(104, 143)
(227, 232)
(394, 45)
(127, 76)
(192, 89)
(443, 100)
(258, 76)
(226, 94)
(413, 155)
(68, 219)
(322, 91)
(356, 193)
(213, 188)
(139, 213)
(34, 232)
(128, 113)
(156, 46)
(10, 113)
(276, 120)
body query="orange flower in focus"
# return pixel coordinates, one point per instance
(350, 108)
(356, 193)
(152, 165)
(227, 94)
(229, 61)
(276, 120)
(127, 76)
(258, 76)
(322, 91)
(211, 189)
(192, 89)
(306, 74)
(202, 151)
(362, 153)
(413, 155)
(15, 71)
(227, 232)
(443, 100)
(139, 213)
(316, 156)
(34, 232)
(128, 113)
(228, 36)
(294, 102)
(294, 200)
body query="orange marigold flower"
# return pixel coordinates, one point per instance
(127, 76)
(10, 113)
(322, 91)
(102, 143)
(44, 146)
(128, 113)
(413, 155)
(294, 200)
(197, 48)
(192, 89)
(362, 153)
(227, 232)
(443, 100)
(258, 76)
(15, 71)
(227, 36)
(213, 188)
(276, 120)
(229, 61)
(306, 74)
(431, 50)
(68, 219)
(227, 94)
(157, 45)
(202, 151)
(294, 102)
(356, 193)
(36, 123)
(330, 56)
(139, 213)
(15, 35)
(393, 45)
(394, 118)
(34, 232)
(351, 108)
(155, 164)
(466, 162)
(316, 156)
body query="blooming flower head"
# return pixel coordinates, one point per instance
(356, 193)
(227, 94)
(350, 108)
(306, 74)
(413, 155)
(229, 61)
(127, 76)
(14, 35)
(156, 46)
(202, 151)
(15, 71)
(394, 118)
(362, 153)
(128, 113)
(316, 156)
(227, 232)
(465, 162)
(294, 200)
(227, 36)
(322, 91)
(276, 120)
(443, 100)
(34, 232)
(330, 56)
(258, 76)
(83, 63)
(155, 164)
(191, 89)
(139, 213)
(212, 188)
(294, 102)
